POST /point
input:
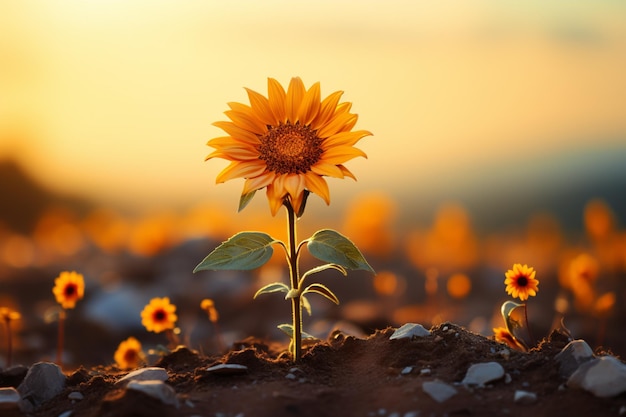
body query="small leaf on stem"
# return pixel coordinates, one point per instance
(322, 290)
(273, 287)
(243, 251)
(245, 199)
(288, 330)
(330, 246)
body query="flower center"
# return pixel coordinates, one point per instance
(159, 315)
(130, 355)
(290, 148)
(522, 281)
(70, 290)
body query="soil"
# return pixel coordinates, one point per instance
(344, 376)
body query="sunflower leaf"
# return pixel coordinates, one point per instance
(270, 288)
(330, 246)
(245, 199)
(243, 251)
(321, 290)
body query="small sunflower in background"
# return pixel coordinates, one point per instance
(7, 315)
(159, 315)
(129, 354)
(69, 287)
(287, 143)
(520, 282)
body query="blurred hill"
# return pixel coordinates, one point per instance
(24, 200)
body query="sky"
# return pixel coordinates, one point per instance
(115, 100)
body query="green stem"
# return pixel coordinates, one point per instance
(530, 335)
(9, 342)
(294, 275)
(61, 337)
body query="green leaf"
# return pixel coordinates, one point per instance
(305, 304)
(245, 199)
(288, 330)
(330, 246)
(244, 251)
(322, 290)
(273, 287)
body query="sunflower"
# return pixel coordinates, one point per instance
(129, 354)
(209, 306)
(6, 314)
(520, 282)
(287, 143)
(159, 315)
(69, 287)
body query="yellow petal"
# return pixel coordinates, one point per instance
(310, 106)
(235, 153)
(327, 109)
(246, 122)
(238, 133)
(275, 200)
(223, 141)
(317, 185)
(261, 108)
(276, 95)
(346, 172)
(295, 93)
(259, 182)
(330, 170)
(337, 124)
(345, 138)
(241, 170)
(340, 154)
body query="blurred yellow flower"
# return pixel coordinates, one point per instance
(520, 282)
(209, 306)
(159, 315)
(287, 142)
(129, 354)
(69, 287)
(6, 314)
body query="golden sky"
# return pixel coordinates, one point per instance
(115, 99)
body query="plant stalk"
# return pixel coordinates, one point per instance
(60, 339)
(294, 275)
(9, 342)
(530, 335)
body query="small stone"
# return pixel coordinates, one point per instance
(508, 378)
(75, 396)
(603, 377)
(155, 389)
(409, 331)
(481, 373)
(622, 410)
(411, 414)
(9, 398)
(228, 369)
(145, 374)
(439, 391)
(572, 356)
(407, 370)
(425, 372)
(524, 397)
(43, 381)
(290, 376)
(67, 413)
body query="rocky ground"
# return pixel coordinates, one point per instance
(406, 372)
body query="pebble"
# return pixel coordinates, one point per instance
(155, 389)
(67, 413)
(75, 396)
(425, 371)
(152, 373)
(228, 369)
(9, 397)
(407, 370)
(409, 331)
(603, 377)
(480, 373)
(572, 356)
(43, 381)
(524, 397)
(439, 391)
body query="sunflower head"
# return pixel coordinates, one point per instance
(520, 282)
(129, 354)
(69, 287)
(159, 315)
(287, 142)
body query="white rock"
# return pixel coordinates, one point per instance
(145, 374)
(43, 381)
(67, 413)
(406, 370)
(9, 397)
(155, 389)
(524, 397)
(572, 356)
(75, 396)
(481, 373)
(409, 331)
(603, 377)
(228, 369)
(439, 391)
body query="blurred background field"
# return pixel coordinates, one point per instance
(499, 138)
